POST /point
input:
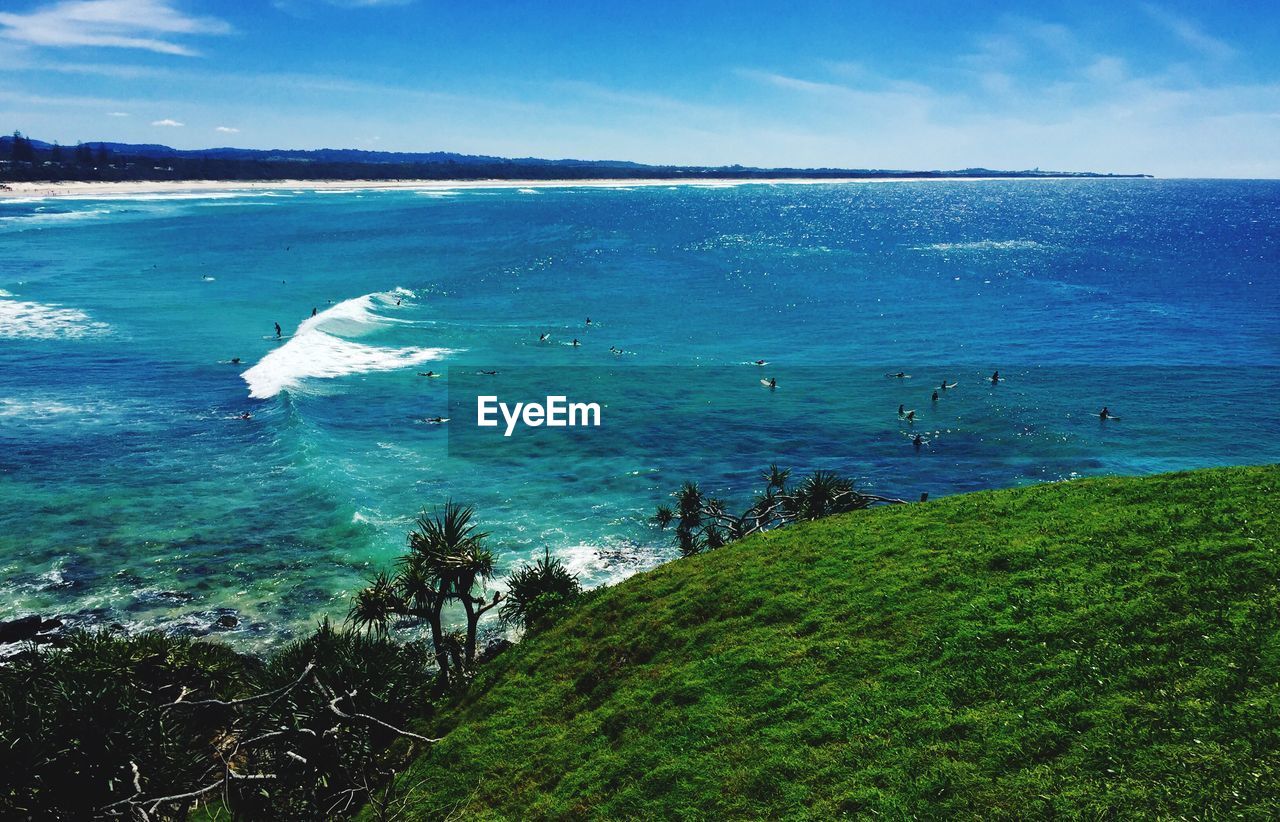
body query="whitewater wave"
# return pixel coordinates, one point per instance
(984, 245)
(40, 218)
(320, 348)
(22, 320)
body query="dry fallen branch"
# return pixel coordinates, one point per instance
(237, 742)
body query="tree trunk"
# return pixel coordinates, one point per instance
(437, 638)
(473, 621)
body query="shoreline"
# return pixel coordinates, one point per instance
(90, 190)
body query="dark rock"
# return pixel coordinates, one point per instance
(50, 625)
(228, 621)
(17, 630)
(494, 648)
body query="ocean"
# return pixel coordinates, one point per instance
(137, 331)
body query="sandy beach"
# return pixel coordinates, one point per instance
(92, 190)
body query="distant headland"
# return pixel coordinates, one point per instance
(23, 159)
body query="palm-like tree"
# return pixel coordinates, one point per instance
(375, 605)
(445, 561)
(703, 523)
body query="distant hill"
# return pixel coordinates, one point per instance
(26, 159)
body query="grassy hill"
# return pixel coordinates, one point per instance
(1102, 649)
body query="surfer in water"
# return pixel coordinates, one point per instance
(543, 337)
(428, 374)
(762, 362)
(1105, 414)
(935, 396)
(902, 410)
(773, 383)
(917, 441)
(488, 373)
(910, 417)
(901, 375)
(313, 312)
(575, 342)
(588, 321)
(277, 331)
(246, 416)
(995, 378)
(235, 360)
(436, 420)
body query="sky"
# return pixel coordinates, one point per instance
(1175, 89)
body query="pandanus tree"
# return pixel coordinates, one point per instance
(703, 522)
(446, 562)
(535, 593)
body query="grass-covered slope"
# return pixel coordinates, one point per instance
(1100, 649)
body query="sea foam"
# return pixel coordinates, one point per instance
(320, 349)
(22, 320)
(984, 245)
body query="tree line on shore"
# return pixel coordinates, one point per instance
(25, 160)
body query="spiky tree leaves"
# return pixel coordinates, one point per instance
(535, 591)
(704, 523)
(375, 605)
(447, 560)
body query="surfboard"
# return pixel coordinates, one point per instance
(767, 384)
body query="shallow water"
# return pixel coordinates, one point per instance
(131, 490)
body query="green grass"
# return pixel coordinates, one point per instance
(1096, 649)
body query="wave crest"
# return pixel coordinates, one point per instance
(319, 349)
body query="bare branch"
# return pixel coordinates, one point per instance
(333, 706)
(236, 702)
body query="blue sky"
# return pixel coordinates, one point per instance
(1171, 88)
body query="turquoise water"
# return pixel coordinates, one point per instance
(131, 490)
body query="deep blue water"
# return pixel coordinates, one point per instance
(131, 491)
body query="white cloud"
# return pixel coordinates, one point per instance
(227, 130)
(117, 114)
(167, 123)
(136, 24)
(1189, 33)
